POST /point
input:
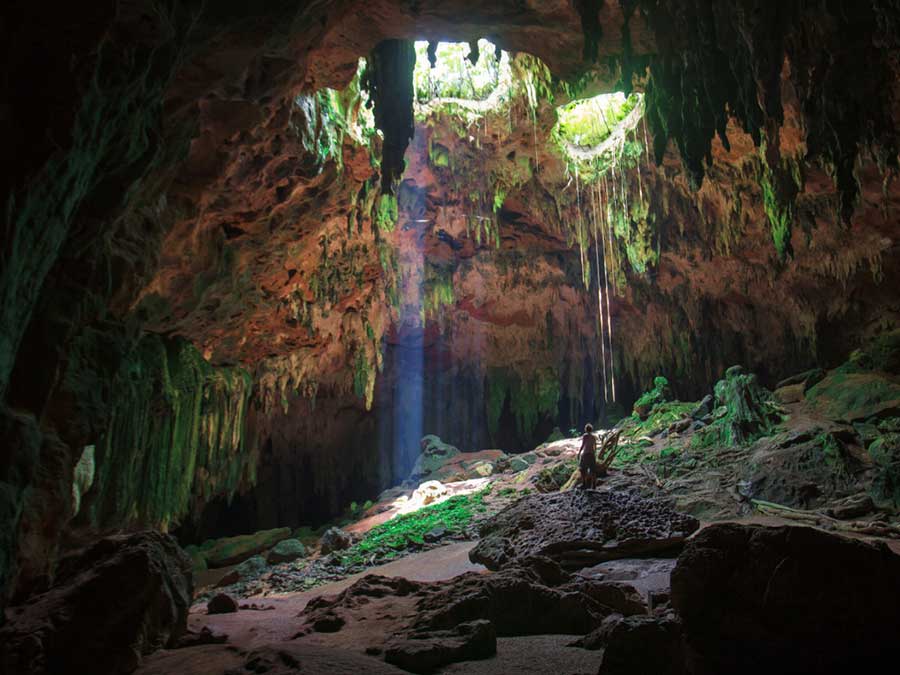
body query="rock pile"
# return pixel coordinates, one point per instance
(433, 624)
(581, 528)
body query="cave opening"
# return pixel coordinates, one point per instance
(593, 299)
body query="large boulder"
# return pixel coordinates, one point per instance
(233, 550)
(581, 528)
(636, 645)
(422, 653)
(787, 600)
(435, 453)
(442, 462)
(111, 603)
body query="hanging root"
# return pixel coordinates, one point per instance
(609, 448)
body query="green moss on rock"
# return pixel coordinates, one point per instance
(176, 437)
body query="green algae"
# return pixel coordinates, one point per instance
(530, 399)
(745, 412)
(391, 539)
(176, 437)
(649, 399)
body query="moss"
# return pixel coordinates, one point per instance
(530, 399)
(388, 214)
(363, 377)
(387, 540)
(745, 412)
(437, 291)
(551, 479)
(176, 437)
(659, 418)
(649, 399)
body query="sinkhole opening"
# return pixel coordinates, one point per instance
(476, 72)
(597, 133)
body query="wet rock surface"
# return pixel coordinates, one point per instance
(581, 528)
(123, 597)
(786, 599)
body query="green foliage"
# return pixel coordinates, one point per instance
(530, 399)
(176, 437)
(388, 213)
(589, 122)
(363, 377)
(437, 291)
(661, 415)
(390, 539)
(552, 478)
(745, 412)
(649, 399)
(454, 76)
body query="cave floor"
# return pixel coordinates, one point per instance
(274, 622)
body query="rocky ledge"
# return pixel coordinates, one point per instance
(581, 528)
(421, 626)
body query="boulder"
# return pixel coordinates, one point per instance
(855, 396)
(123, 597)
(435, 453)
(287, 550)
(787, 600)
(580, 528)
(637, 645)
(233, 550)
(335, 539)
(249, 569)
(423, 653)
(221, 603)
(704, 408)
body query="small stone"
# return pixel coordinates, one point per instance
(222, 604)
(436, 534)
(335, 539)
(517, 464)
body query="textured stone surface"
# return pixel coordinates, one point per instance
(334, 539)
(122, 598)
(284, 658)
(432, 649)
(233, 550)
(787, 599)
(286, 551)
(581, 528)
(221, 603)
(381, 613)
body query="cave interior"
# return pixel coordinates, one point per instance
(573, 324)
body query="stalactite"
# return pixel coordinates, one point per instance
(389, 81)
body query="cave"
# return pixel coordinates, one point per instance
(403, 336)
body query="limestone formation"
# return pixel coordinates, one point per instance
(581, 528)
(110, 604)
(787, 599)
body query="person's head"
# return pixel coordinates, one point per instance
(588, 428)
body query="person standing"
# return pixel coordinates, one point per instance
(587, 458)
